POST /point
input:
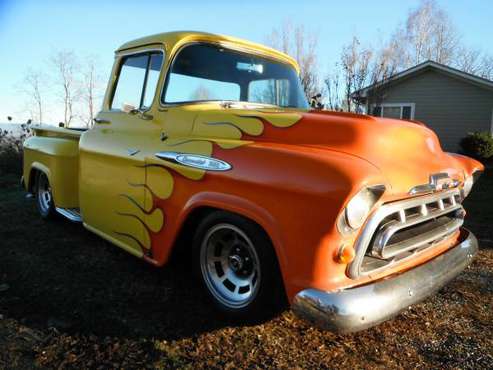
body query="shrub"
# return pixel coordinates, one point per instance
(11, 150)
(478, 145)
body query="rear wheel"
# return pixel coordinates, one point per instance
(44, 196)
(238, 266)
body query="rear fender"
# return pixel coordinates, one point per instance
(58, 158)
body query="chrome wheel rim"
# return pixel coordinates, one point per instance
(230, 265)
(44, 194)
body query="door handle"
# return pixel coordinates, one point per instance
(101, 121)
(131, 152)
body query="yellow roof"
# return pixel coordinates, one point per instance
(173, 40)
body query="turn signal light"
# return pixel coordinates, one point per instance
(345, 254)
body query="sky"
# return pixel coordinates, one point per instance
(30, 31)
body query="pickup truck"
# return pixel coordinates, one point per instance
(206, 143)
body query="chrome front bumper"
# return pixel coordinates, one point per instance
(361, 307)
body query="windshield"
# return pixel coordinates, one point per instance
(204, 72)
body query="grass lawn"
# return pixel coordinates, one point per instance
(68, 299)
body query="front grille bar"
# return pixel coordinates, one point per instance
(378, 234)
(381, 247)
(391, 250)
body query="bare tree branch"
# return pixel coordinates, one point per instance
(91, 89)
(295, 41)
(66, 69)
(32, 87)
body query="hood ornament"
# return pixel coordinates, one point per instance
(438, 182)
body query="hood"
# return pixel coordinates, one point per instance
(405, 152)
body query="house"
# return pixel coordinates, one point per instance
(451, 102)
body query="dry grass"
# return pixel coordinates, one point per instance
(70, 300)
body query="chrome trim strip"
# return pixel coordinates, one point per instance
(131, 151)
(420, 189)
(354, 309)
(368, 231)
(73, 214)
(194, 160)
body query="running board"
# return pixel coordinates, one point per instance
(73, 214)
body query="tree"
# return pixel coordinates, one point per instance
(201, 93)
(295, 41)
(91, 89)
(66, 69)
(429, 34)
(486, 69)
(468, 60)
(356, 62)
(333, 91)
(32, 86)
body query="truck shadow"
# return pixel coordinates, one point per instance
(57, 274)
(60, 275)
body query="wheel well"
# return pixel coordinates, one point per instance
(183, 243)
(182, 248)
(32, 179)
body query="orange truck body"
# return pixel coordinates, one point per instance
(292, 171)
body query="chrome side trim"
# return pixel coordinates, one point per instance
(73, 214)
(399, 208)
(359, 308)
(131, 151)
(195, 160)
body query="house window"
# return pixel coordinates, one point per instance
(394, 110)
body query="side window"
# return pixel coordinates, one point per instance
(137, 81)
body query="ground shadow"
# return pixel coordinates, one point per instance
(60, 275)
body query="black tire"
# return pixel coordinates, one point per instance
(44, 197)
(267, 295)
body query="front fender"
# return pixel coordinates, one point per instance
(296, 196)
(469, 164)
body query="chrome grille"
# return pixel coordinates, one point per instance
(399, 230)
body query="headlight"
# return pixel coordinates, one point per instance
(359, 207)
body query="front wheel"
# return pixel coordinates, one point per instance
(238, 266)
(44, 197)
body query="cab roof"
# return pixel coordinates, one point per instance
(173, 40)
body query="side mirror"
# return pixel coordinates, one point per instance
(316, 101)
(130, 109)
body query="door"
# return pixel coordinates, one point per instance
(112, 155)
